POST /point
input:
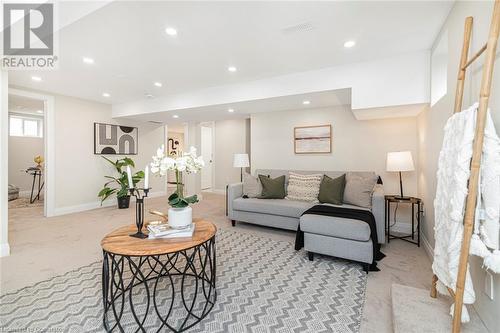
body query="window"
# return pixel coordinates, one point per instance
(20, 125)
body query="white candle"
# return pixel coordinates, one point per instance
(146, 177)
(129, 173)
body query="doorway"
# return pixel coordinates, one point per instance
(26, 154)
(207, 154)
(30, 153)
(174, 148)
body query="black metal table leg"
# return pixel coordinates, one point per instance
(406, 237)
(418, 224)
(188, 275)
(412, 221)
(388, 222)
(33, 189)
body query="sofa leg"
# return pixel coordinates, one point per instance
(233, 223)
(366, 267)
(310, 255)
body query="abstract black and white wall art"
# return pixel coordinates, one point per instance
(115, 140)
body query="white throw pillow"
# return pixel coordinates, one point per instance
(303, 187)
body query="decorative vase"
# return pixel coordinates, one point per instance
(180, 218)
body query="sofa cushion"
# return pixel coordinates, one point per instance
(331, 190)
(303, 187)
(272, 188)
(251, 186)
(280, 207)
(359, 187)
(13, 192)
(335, 227)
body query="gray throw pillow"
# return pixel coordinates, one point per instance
(272, 188)
(251, 186)
(359, 188)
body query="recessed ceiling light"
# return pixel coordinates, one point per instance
(232, 69)
(88, 60)
(171, 31)
(230, 110)
(349, 44)
(36, 78)
(149, 95)
(306, 102)
(175, 116)
(39, 111)
(106, 95)
(158, 84)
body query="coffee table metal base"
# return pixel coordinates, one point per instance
(160, 280)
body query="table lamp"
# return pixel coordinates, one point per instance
(400, 161)
(241, 161)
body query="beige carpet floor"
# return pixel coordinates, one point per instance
(24, 202)
(45, 247)
(412, 306)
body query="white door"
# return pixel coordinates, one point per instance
(206, 152)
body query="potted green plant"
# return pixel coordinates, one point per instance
(120, 182)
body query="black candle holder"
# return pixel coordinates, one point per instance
(139, 210)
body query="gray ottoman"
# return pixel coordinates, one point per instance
(13, 192)
(337, 237)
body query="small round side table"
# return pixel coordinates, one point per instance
(160, 284)
(414, 202)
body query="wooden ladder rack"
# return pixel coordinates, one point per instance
(470, 206)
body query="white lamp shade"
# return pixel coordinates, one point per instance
(241, 161)
(400, 161)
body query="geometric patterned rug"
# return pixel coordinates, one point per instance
(263, 285)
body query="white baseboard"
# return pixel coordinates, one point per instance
(96, 204)
(4, 250)
(427, 247)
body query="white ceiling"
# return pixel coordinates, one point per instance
(127, 40)
(24, 105)
(244, 109)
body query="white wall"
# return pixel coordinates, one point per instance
(431, 123)
(80, 173)
(4, 146)
(22, 150)
(357, 145)
(231, 137)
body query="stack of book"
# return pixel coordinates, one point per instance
(165, 231)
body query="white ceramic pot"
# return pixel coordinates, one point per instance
(179, 218)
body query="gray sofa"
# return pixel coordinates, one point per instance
(338, 237)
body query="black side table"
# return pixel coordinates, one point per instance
(389, 199)
(36, 172)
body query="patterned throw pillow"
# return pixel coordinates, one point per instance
(303, 187)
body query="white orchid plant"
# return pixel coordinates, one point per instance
(185, 162)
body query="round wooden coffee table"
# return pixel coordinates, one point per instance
(158, 284)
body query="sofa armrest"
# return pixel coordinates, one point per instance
(233, 191)
(378, 210)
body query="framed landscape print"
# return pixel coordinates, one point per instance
(115, 139)
(313, 139)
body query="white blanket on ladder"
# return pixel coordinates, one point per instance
(449, 204)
